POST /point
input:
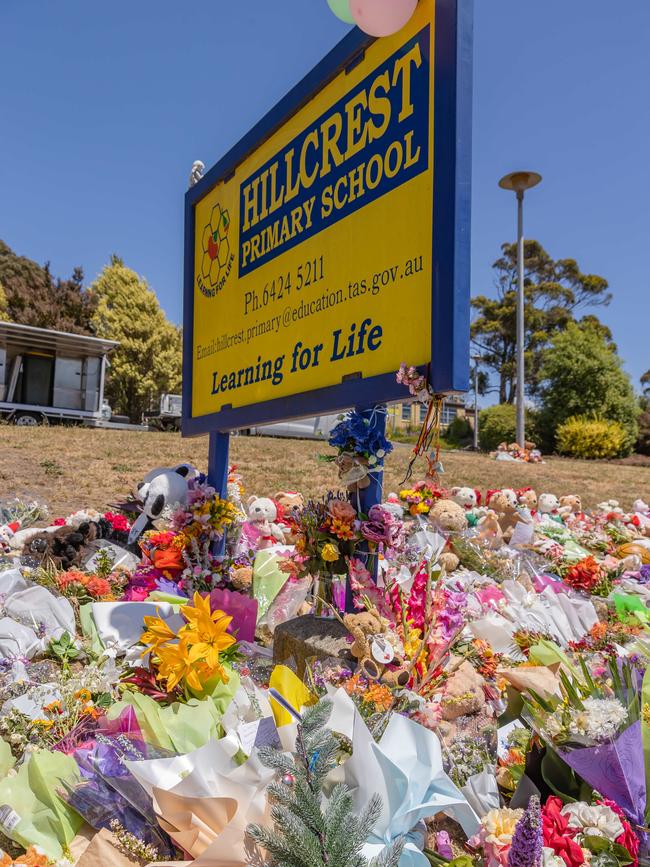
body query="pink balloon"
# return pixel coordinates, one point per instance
(382, 17)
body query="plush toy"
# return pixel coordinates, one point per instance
(468, 498)
(506, 513)
(260, 530)
(241, 578)
(448, 516)
(61, 547)
(449, 561)
(571, 504)
(548, 506)
(508, 492)
(375, 646)
(161, 487)
(527, 499)
(463, 694)
(289, 505)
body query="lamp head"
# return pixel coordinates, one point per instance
(519, 181)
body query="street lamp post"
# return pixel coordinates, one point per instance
(476, 359)
(519, 182)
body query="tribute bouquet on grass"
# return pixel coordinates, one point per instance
(595, 729)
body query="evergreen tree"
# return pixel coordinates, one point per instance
(582, 375)
(34, 297)
(554, 291)
(309, 832)
(147, 363)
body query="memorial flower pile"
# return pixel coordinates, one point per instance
(488, 678)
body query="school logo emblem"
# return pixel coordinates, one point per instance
(217, 259)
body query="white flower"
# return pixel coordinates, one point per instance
(550, 859)
(597, 821)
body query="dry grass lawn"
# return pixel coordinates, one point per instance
(69, 468)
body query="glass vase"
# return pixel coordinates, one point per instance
(329, 595)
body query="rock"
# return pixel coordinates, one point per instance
(304, 637)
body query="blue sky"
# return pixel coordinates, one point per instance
(105, 106)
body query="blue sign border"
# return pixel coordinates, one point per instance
(448, 370)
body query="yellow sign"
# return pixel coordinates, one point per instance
(312, 262)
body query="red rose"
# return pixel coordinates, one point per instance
(558, 836)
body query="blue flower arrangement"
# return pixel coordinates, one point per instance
(360, 436)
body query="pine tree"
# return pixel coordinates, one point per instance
(309, 831)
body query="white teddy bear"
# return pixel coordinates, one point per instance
(260, 530)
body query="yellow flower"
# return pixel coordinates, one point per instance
(330, 553)
(175, 665)
(157, 632)
(83, 695)
(44, 723)
(208, 637)
(200, 608)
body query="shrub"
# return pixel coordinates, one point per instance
(591, 438)
(459, 432)
(643, 442)
(498, 424)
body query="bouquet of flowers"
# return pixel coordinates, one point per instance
(419, 499)
(193, 661)
(595, 728)
(361, 445)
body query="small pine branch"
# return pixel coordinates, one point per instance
(305, 834)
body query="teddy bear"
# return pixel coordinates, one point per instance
(261, 530)
(448, 516)
(527, 499)
(290, 504)
(374, 648)
(463, 694)
(506, 513)
(570, 504)
(449, 561)
(468, 498)
(548, 507)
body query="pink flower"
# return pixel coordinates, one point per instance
(342, 510)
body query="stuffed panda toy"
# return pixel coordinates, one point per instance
(161, 487)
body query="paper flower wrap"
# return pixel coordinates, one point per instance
(405, 768)
(615, 770)
(205, 800)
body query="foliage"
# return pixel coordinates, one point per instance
(32, 296)
(554, 291)
(643, 442)
(308, 833)
(459, 432)
(582, 374)
(147, 362)
(498, 424)
(591, 438)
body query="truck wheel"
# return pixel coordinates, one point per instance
(27, 419)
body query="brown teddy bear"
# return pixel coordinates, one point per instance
(371, 633)
(506, 514)
(571, 504)
(290, 504)
(463, 694)
(527, 498)
(448, 516)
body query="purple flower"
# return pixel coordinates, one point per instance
(526, 848)
(171, 587)
(644, 574)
